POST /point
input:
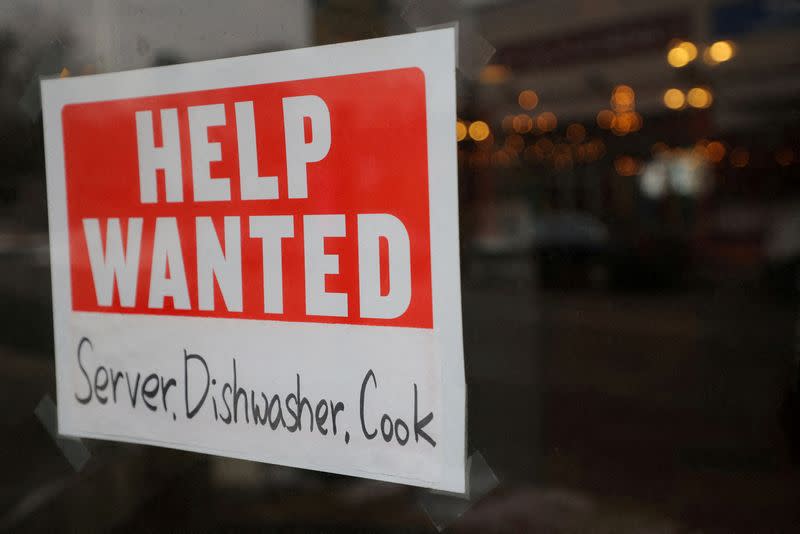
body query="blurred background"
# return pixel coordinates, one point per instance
(629, 181)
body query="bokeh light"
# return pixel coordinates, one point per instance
(654, 179)
(479, 130)
(674, 98)
(678, 57)
(699, 97)
(623, 124)
(740, 157)
(546, 121)
(461, 131)
(689, 48)
(715, 151)
(700, 150)
(522, 123)
(721, 51)
(626, 166)
(508, 123)
(528, 99)
(622, 98)
(681, 53)
(605, 119)
(495, 74)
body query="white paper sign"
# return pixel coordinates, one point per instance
(257, 257)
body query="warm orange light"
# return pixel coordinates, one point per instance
(576, 133)
(522, 123)
(528, 99)
(627, 122)
(715, 151)
(740, 157)
(461, 131)
(674, 98)
(689, 48)
(605, 119)
(495, 74)
(721, 51)
(700, 150)
(508, 123)
(622, 98)
(546, 121)
(626, 166)
(623, 124)
(699, 97)
(479, 130)
(678, 57)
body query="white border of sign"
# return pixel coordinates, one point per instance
(432, 52)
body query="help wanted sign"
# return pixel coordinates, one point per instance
(257, 257)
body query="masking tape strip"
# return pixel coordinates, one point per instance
(444, 508)
(74, 450)
(472, 50)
